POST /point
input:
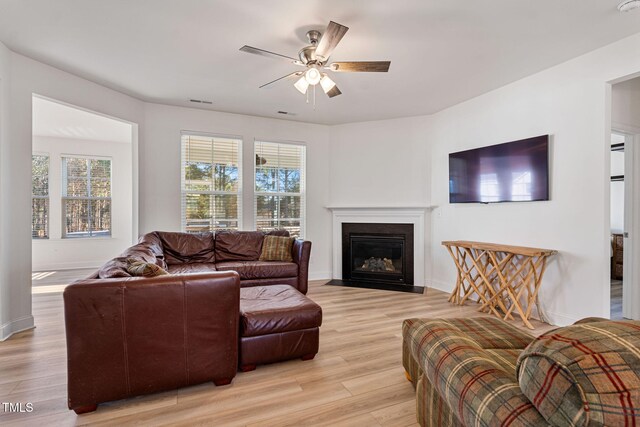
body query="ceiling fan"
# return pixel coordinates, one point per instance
(315, 59)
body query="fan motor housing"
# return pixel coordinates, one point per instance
(308, 54)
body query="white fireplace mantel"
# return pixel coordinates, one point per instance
(382, 214)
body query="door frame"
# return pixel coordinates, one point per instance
(631, 275)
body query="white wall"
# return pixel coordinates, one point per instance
(30, 77)
(569, 102)
(12, 318)
(380, 164)
(160, 169)
(58, 253)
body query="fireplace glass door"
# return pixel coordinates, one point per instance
(377, 258)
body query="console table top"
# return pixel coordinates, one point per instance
(496, 247)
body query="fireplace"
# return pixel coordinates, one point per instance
(378, 253)
(380, 221)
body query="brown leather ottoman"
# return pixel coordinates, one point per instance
(277, 323)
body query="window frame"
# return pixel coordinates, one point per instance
(303, 186)
(47, 197)
(184, 191)
(63, 197)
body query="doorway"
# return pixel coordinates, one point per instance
(617, 208)
(82, 190)
(624, 226)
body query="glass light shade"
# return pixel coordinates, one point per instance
(302, 84)
(312, 76)
(326, 83)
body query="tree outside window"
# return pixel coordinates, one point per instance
(40, 196)
(210, 183)
(280, 187)
(86, 197)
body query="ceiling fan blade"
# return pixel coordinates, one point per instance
(296, 73)
(334, 92)
(360, 67)
(330, 39)
(262, 52)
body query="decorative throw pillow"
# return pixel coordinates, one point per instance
(144, 269)
(585, 374)
(276, 248)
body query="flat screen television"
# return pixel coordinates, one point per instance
(515, 171)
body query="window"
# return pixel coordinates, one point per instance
(40, 196)
(211, 183)
(86, 197)
(280, 187)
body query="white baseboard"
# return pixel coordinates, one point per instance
(18, 325)
(559, 319)
(320, 275)
(553, 318)
(68, 265)
(441, 286)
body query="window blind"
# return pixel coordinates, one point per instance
(211, 183)
(86, 197)
(40, 196)
(279, 200)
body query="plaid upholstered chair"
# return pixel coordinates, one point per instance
(485, 372)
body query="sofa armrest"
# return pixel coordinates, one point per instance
(474, 383)
(301, 254)
(591, 320)
(133, 336)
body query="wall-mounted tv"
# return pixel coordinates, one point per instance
(515, 171)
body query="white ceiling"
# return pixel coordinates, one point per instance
(60, 121)
(441, 52)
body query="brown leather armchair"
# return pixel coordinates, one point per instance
(131, 336)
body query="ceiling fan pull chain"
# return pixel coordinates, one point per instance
(307, 93)
(314, 97)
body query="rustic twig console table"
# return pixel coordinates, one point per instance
(505, 278)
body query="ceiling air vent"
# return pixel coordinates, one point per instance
(199, 101)
(286, 113)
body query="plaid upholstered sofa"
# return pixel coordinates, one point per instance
(485, 372)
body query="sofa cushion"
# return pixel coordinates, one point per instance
(198, 267)
(234, 245)
(277, 248)
(152, 240)
(116, 267)
(140, 252)
(274, 309)
(585, 374)
(145, 269)
(186, 248)
(238, 245)
(260, 269)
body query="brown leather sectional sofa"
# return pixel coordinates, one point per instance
(128, 336)
(237, 251)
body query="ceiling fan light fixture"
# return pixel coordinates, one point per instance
(628, 5)
(302, 84)
(326, 83)
(312, 76)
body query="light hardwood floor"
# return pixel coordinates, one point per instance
(357, 378)
(616, 299)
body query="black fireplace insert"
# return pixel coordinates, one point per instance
(377, 253)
